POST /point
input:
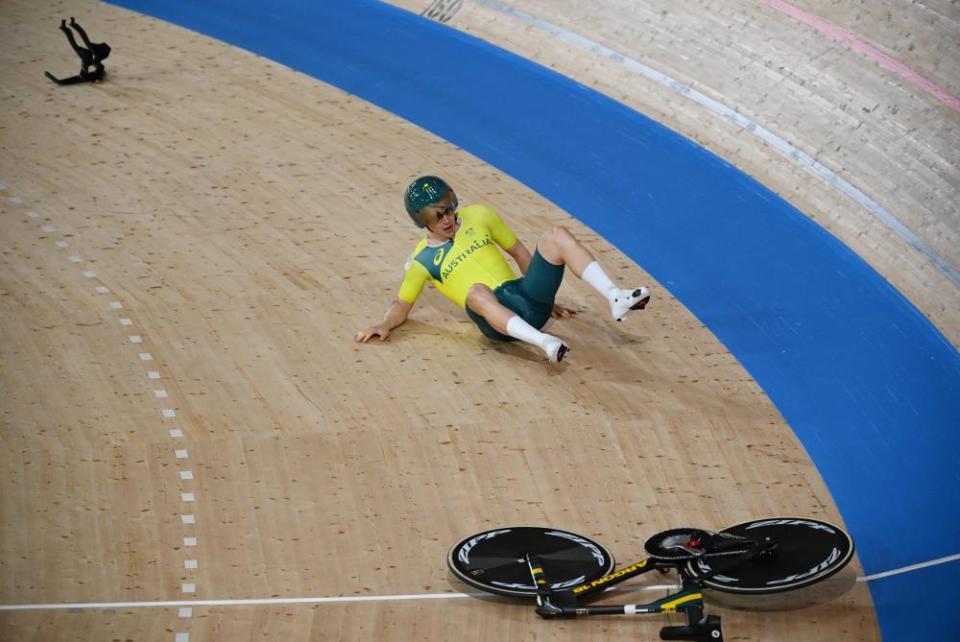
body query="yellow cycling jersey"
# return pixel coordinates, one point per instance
(471, 256)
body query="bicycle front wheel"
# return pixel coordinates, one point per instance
(806, 551)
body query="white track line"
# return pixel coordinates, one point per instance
(240, 602)
(912, 567)
(748, 125)
(371, 598)
(273, 601)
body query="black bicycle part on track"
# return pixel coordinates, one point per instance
(494, 560)
(683, 544)
(560, 568)
(804, 551)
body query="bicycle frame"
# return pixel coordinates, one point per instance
(688, 599)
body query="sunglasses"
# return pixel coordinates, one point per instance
(447, 210)
(440, 212)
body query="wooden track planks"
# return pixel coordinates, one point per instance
(247, 219)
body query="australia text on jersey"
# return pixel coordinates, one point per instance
(476, 245)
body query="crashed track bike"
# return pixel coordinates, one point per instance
(561, 569)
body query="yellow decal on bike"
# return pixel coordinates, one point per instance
(606, 579)
(671, 606)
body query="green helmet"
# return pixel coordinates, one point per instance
(424, 191)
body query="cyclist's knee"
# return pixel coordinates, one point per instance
(478, 295)
(559, 235)
(555, 242)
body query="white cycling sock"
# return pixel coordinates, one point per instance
(554, 349)
(520, 329)
(595, 276)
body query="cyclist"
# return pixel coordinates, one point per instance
(460, 255)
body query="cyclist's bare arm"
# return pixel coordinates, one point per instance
(395, 316)
(521, 255)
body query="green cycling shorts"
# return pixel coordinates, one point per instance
(531, 296)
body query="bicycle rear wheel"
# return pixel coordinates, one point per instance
(806, 552)
(494, 560)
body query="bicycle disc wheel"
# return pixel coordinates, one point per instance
(494, 560)
(806, 552)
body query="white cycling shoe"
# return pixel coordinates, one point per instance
(623, 301)
(555, 349)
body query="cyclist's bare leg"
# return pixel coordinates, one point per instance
(560, 247)
(483, 301)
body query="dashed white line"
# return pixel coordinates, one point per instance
(159, 393)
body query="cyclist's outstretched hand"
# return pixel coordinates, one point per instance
(379, 329)
(395, 316)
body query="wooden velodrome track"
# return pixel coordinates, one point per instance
(187, 250)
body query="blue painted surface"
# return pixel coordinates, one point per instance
(916, 606)
(869, 386)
